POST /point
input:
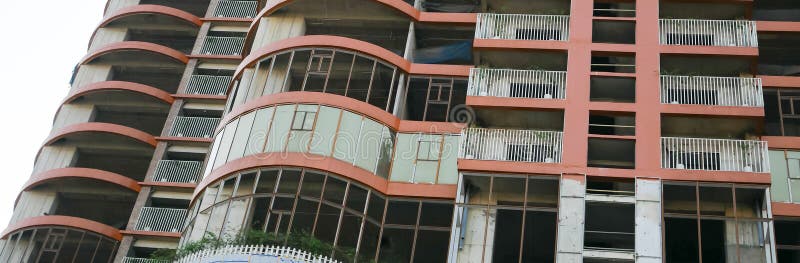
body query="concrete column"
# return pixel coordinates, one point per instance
(648, 221)
(571, 218)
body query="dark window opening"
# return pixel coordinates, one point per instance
(612, 89)
(612, 153)
(619, 63)
(617, 32)
(612, 124)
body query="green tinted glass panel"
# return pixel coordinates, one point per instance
(779, 171)
(258, 133)
(225, 143)
(280, 128)
(369, 145)
(385, 154)
(405, 154)
(299, 139)
(427, 165)
(448, 169)
(240, 138)
(325, 132)
(347, 137)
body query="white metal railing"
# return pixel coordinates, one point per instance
(714, 154)
(244, 9)
(208, 84)
(522, 27)
(142, 260)
(721, 91)
(174, 171)
(255, 253)
(222, 45)
(517, 83)
(196, 127)
(511, 145)
(160, 219)
(698, 32)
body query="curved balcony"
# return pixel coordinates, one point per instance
(696, 32)
(133, 61)
(131, 51)
(87, 92)
(715, 91)
(68, 239)
(255, 253)
(158, 24)
(84, 173)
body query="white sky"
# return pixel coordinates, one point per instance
(41, 42)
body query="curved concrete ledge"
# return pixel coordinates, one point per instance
(104, 128)
(63, 221)
(136, 45)
(342, 102)
(120, 86)
(87, 173)
(152, 9)
(397, 5)
(328, 164)
(352, 45)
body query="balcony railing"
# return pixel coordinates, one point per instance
(511, 145)
(242, 9)
(158, 219)
(143, 260)
(720, 91)
(195, 127)
(714, 154)
(208, 85)
(230, 46)
(695, 32)
(177, 171)
(517, 83)
(522, 27)
(255, 253)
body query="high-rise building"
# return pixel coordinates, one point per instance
(426, 131)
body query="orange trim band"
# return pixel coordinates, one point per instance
(342, 102)
(120, 85)
(74, 172)
(785, 209)
(136, 45)
(780, 81)
(777, 26)
(152, 9)
(64, 221)
(328, 164)
(782, 142)
(102, 127)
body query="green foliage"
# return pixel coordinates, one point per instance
(165, 254)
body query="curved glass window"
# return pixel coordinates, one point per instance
(56, 244)
(326, 70)
(335, 210)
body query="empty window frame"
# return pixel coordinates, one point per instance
(614, 9)
(787, 239)
(782, 112)
(303, 120)
(613, 89)
(613, 62)
(609, 226)
(431, 98)
(715, 223)
(612, 153)
(602, 123)
(516, 214)
(611, 31)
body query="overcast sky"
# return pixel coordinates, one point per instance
(41, 42)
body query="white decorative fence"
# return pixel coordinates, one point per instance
(720, 91)
(160, 219)
(714, 154)
(208, 85)
(142, 260)
(196, 127)
(511, 145)
(517, 83)
(740, 33)
(174, 171)
(241, 9)
(222, 45)
(522, 27)
(255, 253)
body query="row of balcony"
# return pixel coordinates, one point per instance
(676, 153)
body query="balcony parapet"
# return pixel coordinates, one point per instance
(522, 27)
(509, 83)
(714, 154)
(142, 260)
(237, 9)
(195, 127)
(208, 85)
(173, 171)
(511, 145)
(158, 219)
(226, 46)
(716, 91)
(255, 253)
(696, 32)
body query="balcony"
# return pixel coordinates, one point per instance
(239, 9)
(174, 171)
(142, 260)
(511, 145)
(717, 91)
(208, 85)
(714, 154)
(522, 27)
(255, 253)
(510, 83)
(227, 46)
(695, 32)
(158, 219)
(194, 127)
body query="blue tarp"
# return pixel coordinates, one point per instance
(435, 55)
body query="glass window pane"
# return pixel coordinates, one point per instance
(288, 181)
(240, 138)
(225, 143)
(369, 242)
(327, 223)
(235, 219)
(246, 182)
(402, 212)
(259, 131)
(356, 198)
(347, 137)
(385, 153)
(376, 205)
(312, 184)
(304, 215)
(87, 248)
(369, 145)
(436, 214)
(227, 189)
(431, 246)
(334, 190)
(404, 157)
(266, 181)
(448, 168)
(259, 208)
(325, 131)
(280, 128)
(396, 245)
(348, 235)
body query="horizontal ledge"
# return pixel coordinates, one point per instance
(64, 221)
(782, 142)
(183, 139)
(120, 86)
(785, 209)
(168, 184)
(151, 233)
(136, 45)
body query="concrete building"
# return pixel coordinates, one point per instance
(428, 131)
